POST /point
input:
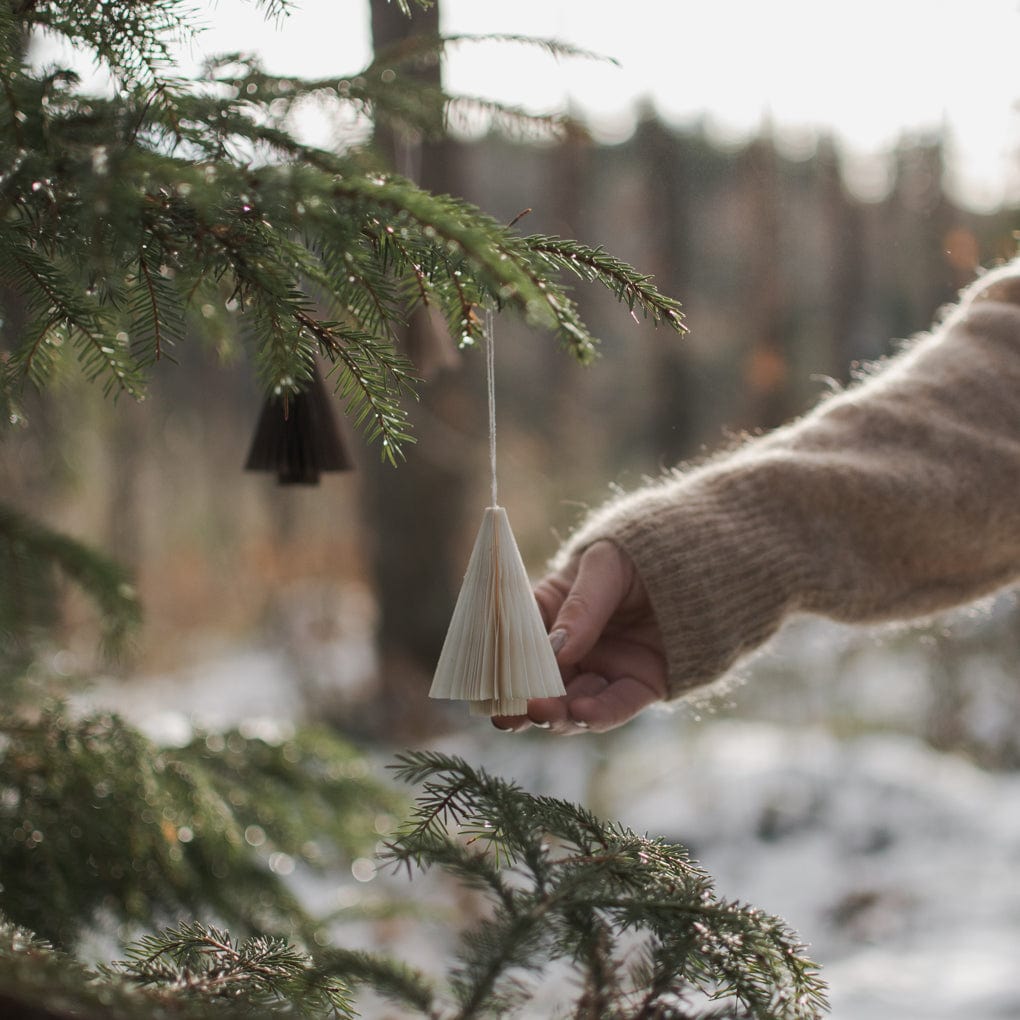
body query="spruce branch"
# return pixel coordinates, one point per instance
(588, 895)
(594, 264)
(276, 9)
(408, 101)
(477, 246)
(366, 293)
(485, 979)
(194, 961)
(381, 93)
(63, 312)
(32, 557)
(156, 321)
(133, 39)
(397, 981)
(427, 50)
(191, 972)
(371, 376)
(577, 885)
(397, 203)
(124, 213)
(213, 815)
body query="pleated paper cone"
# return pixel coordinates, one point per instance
(496, 654)
(303, 442)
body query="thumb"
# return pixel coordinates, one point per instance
(602, 581)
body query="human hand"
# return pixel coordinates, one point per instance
(607, 644)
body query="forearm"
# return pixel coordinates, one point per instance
(893, 500)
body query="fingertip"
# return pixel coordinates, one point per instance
(546, 712)
(510, 723)
(586, 711)
(593, 597)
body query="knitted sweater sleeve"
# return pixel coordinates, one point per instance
(895, 499)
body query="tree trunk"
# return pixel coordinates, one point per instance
(415, 515)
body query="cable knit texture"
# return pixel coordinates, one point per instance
(894, 499)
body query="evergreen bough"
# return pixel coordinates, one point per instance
(168, 208)
(638, 922)
(639, 926)
(98, 822)
(34, 560)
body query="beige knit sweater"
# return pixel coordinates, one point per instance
(895, 499)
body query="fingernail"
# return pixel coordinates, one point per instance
(503, 729)
(581, 725)
(558, 638)
(543, 725)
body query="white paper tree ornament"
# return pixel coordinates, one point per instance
(496, 654)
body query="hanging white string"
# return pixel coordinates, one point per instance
(490, 378)
(496, 654)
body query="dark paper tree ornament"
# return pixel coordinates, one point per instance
(298, 436)
(496, 654)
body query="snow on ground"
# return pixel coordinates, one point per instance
(900, 866)
(897, 864)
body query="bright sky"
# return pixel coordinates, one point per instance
(871, 68)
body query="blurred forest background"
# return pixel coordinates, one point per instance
(330, 603)
(789, 281)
